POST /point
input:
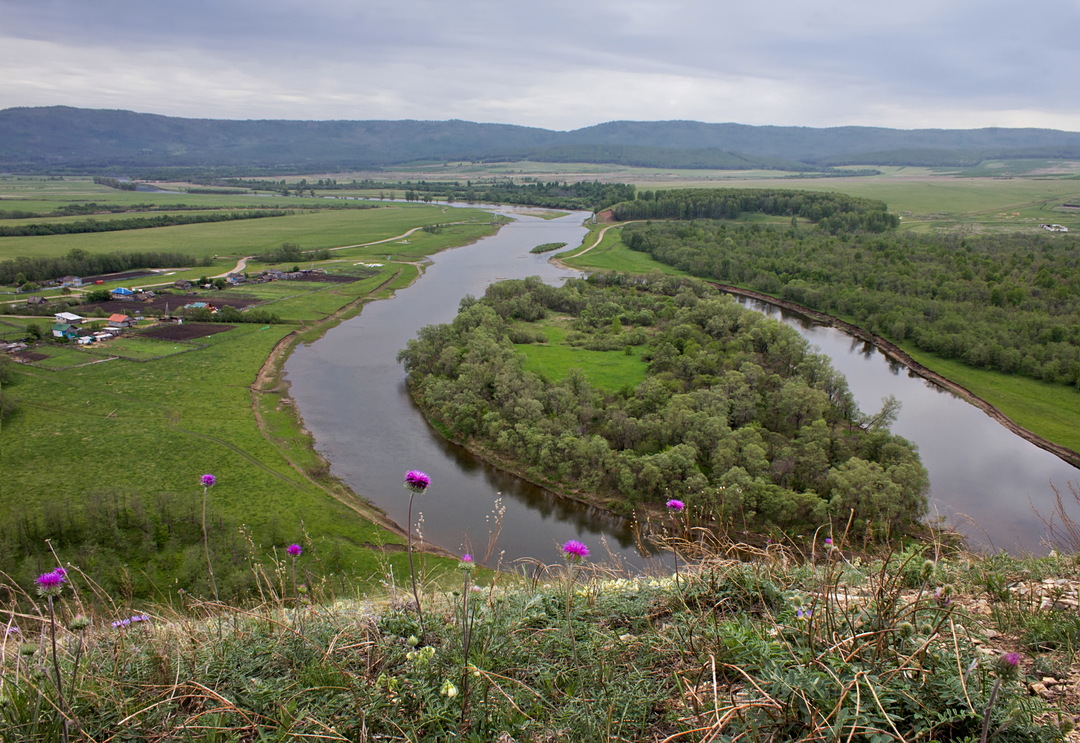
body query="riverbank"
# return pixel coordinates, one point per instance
(895, 353)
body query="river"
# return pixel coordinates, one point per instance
(985, 481)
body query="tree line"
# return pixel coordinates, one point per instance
(833, 212)
(133, 223)
(1008, 302)
(736, 415)
(79, 262)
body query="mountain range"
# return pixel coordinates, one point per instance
(62, 139)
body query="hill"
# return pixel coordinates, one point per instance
(61, 138)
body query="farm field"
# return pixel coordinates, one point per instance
(182, 402)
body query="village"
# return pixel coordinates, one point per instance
(110, 313)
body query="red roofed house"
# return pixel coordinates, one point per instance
(121, 321)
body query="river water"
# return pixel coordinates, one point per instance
(351, 393)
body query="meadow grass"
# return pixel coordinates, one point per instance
(152, 426)
(1050, 410)
(311, 230)
(743, 643)
(606, 370)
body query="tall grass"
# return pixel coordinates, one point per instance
(749, 644)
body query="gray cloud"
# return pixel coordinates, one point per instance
(561, 64)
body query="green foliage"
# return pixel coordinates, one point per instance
(727, 651)
(82, 263)
(735, 414)
(833, 212)
(1009, 302)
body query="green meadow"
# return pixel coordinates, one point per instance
(140, 430)
(607, 370)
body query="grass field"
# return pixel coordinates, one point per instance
(155, 423)
(607, 370)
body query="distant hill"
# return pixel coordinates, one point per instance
(60, 138)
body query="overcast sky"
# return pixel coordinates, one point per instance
(556, 64)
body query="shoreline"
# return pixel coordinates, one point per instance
(270, 382)
(895, 353)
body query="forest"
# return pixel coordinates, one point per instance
(79, 262)
(735, 415)
(832, 212)
(1006, 301)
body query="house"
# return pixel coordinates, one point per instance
(182, 284)
(144, 296)
(69, 318)
(123, 294)
(121, 321)
(101, 335)
(71, 281)
(36, 300)
(65, 330)
(200, 306)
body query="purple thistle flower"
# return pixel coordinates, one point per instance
(828, 541)
(466, 563)
(575, 550)
(60, 571)
(1011, 658)
(208, 481)
(417, 481)
(675, 505)
(294, 549)
(466, 558)
(50, 584)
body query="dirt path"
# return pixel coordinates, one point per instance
(599, 239)
(238, 268)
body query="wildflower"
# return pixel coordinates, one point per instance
(417, 481)
(50, 584)
(828, 542)
(12, 630)
(294, 549)
(448, 689)
(1008, 665)
(466, 563)
(926, 571)
(675, 505)
(208, 481)
(942, 597)
(80, 622)
(575, 550)
(804, 614)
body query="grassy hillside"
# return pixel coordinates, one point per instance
(739, 643)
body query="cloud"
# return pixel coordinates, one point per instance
(561, 65)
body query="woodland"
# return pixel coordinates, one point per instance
(1006, 301)
(735, 415)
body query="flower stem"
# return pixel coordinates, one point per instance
(56, 672)
(412, 568)
(206, 546)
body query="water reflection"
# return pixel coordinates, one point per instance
(985, 481)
